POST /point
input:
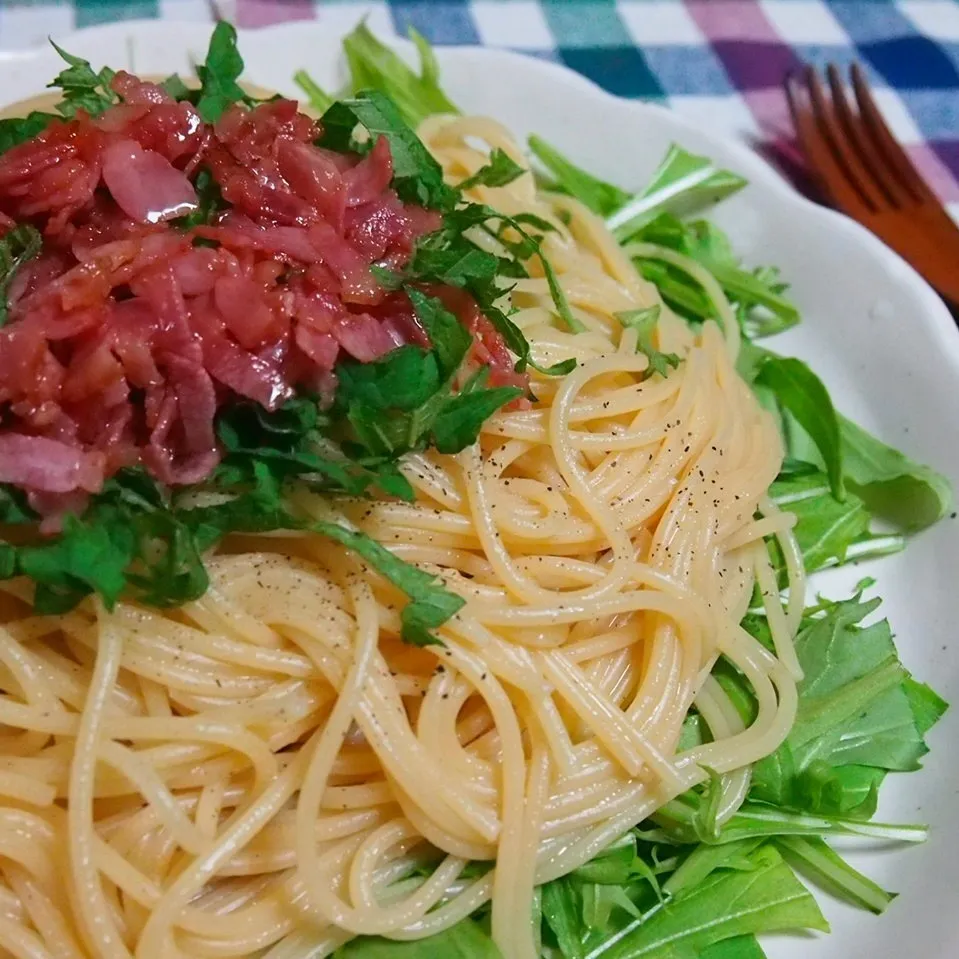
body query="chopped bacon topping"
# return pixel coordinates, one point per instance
(128, 332)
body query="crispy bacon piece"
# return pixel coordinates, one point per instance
(128, 332)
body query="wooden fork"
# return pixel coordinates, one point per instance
(865, 173)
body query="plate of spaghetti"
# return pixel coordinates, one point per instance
(428, 530)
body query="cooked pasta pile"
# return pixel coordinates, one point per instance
(269, 771)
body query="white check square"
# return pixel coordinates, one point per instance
(934, 18)
(659, 23)
(519, 25)
(195, 11)
(804, 21)
(897, 116)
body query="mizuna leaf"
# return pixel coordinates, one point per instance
(727, 904)
(802, 393)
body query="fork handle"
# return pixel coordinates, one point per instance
(932, 249)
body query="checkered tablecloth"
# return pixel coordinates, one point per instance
(721, 61)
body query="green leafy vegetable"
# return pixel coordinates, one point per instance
(528, 246)
(831, 871)
(90, 555)
(739, 947)
(678, 292)
(417, 177)
(829, 532)
(456, 264)
(600, 902)
(450, 256)
(293, 443)
(374, 66)
(499, 171)
(801, 392)
(705, 859)
(17, 130)
(562, 912)
(320, 101)
(404, 379)
(705, 821)
(210, 202)
(129, 536)
(757, 294)
(602, 198)
(644, 322)
(854, 711)
(465, 940)
(892, 485)
(449, 337)
(680, 822)
(406, 401)
(83, 88)
(581, 916)
(457, 424)
(619, 865)
(14, 508)
(430, 604)
(219, 73)
(926, 704)
(175, 86)
(726, 904)
(683, 182)
(18, 246)
(559, 297)
(825, 528)
(584, 910)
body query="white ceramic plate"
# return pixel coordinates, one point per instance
(880, 338)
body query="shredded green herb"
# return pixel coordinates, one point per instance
(82, 87)
(18, 246)
(219, 74)
(644, 323)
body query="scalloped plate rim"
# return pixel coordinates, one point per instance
(932, 331)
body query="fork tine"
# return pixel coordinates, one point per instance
(823, 162)
(859, 141)
(885, 142)
(848, 159)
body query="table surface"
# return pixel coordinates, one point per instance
(721, 61)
